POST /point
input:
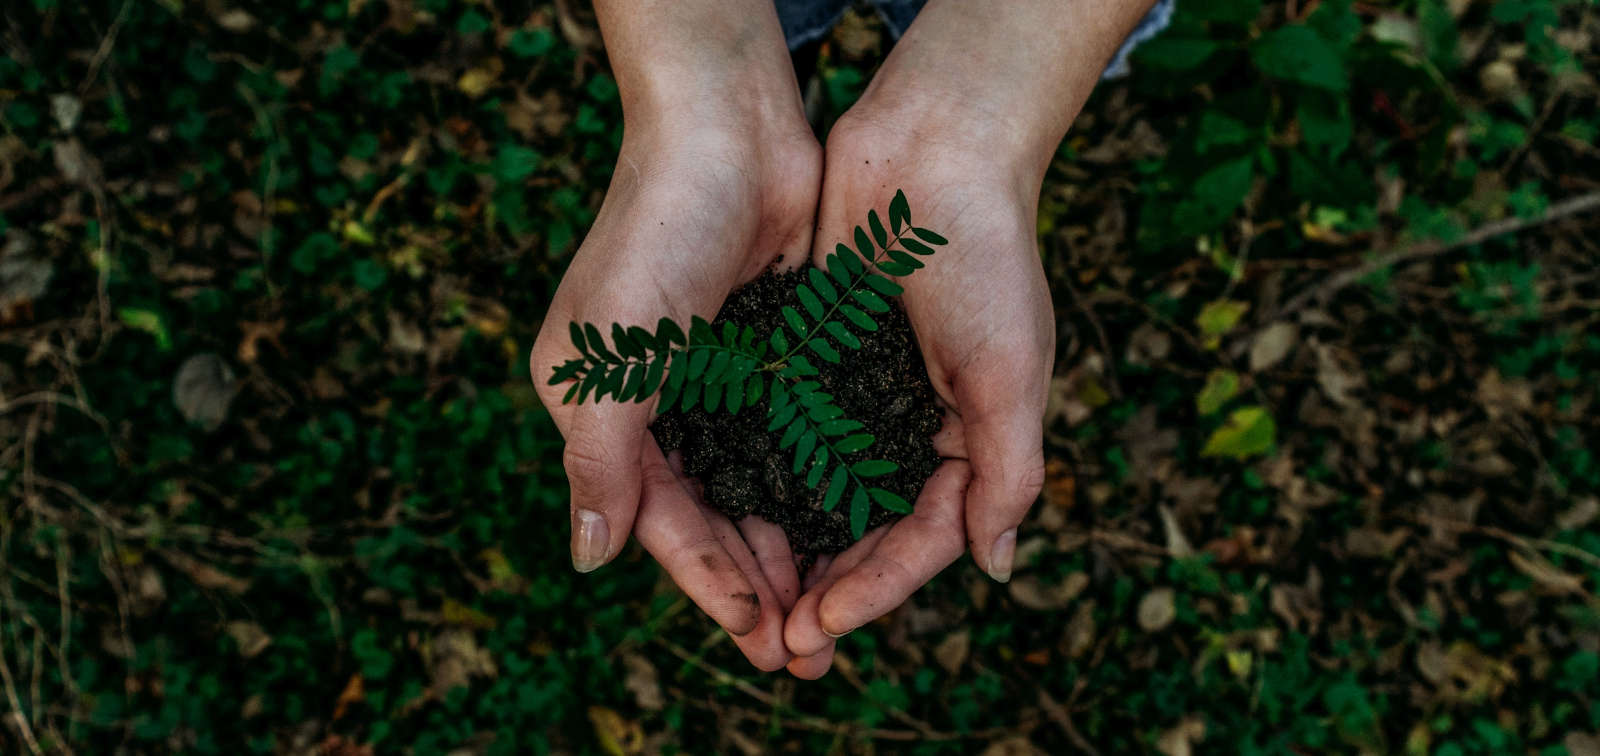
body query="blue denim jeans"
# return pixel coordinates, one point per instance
(808, 20)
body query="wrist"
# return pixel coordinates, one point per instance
(946, 139)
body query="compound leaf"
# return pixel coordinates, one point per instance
(859, 509)
(889, 500)
(873, 468)
(824, 350)
(899, 211)
(864, 244)
(809, 300)
(853, 444)
(883, 285)
(824, 287)
(597, 343)
(916, 247)
(836, 486)
(859, 318)
(795, 321)
(668, 332)
(818, 467)
(870, 300)
(577, 337)
(879, 235)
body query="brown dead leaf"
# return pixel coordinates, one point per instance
(1579, 514)
(339, 745)
(204, 388)
(952, 652)
(1339, 374)
(1582, 743)
(1079, 636)
(204, 575)
(355, 691)
(1032, 592)
(1272, 344)
(643, 683)
(249, 636)
(1550, 579)
(254, 332)
(1017, 745)
(1158, 609)
(1182, 737)
(453, 658)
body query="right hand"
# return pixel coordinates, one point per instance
(696, 207)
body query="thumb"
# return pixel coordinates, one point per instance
(602, 459)
(1005, 444)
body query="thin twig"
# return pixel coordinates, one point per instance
(1531, 544)
(1100, 332)
(1321, 292)
(807, 722)
(1063, 719)
(106, 44)
(17, 716)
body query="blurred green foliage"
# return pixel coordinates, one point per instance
(364, 206)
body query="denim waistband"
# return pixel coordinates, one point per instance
(808, 20)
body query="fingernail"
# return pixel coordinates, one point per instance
(591, 537)
(835, 637)
(1000, 556)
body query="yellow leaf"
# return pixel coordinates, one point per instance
(457, 613)
(617, 736)
(475, 82)
(1239, 662)
(355, 232)
(1248, 432)
(1219, 317)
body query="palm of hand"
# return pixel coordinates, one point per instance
(981, 313)
(681, 226)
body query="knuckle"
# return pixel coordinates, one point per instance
(586, 469)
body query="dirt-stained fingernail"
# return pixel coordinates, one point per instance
(591, 538)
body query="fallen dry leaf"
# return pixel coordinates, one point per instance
(951, 652)
(1158, 609)
(204, 388)
(617, 736)
(249, 636)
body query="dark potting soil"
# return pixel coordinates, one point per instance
(883, 384)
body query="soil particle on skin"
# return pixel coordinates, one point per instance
(883, 384)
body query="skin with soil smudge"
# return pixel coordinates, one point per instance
(883, 384)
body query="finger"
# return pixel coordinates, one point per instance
(602, 460)
(803, 632)
(763, 646)
(916, 548)
(675, 530)
(771, 548)
(951, 440)
(819, 570)
(813, 666)
(1005, 443)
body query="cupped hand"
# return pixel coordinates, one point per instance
(982, 316)
(691, 213)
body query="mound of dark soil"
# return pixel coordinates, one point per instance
(883, 384)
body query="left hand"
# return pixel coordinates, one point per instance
(982, 315)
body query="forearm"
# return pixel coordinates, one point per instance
(1008, 77)
(700, 61)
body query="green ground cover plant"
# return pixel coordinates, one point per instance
(274, 479)
(739, 367)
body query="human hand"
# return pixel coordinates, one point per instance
(964, 115)
(982, 316)
(717, 178)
